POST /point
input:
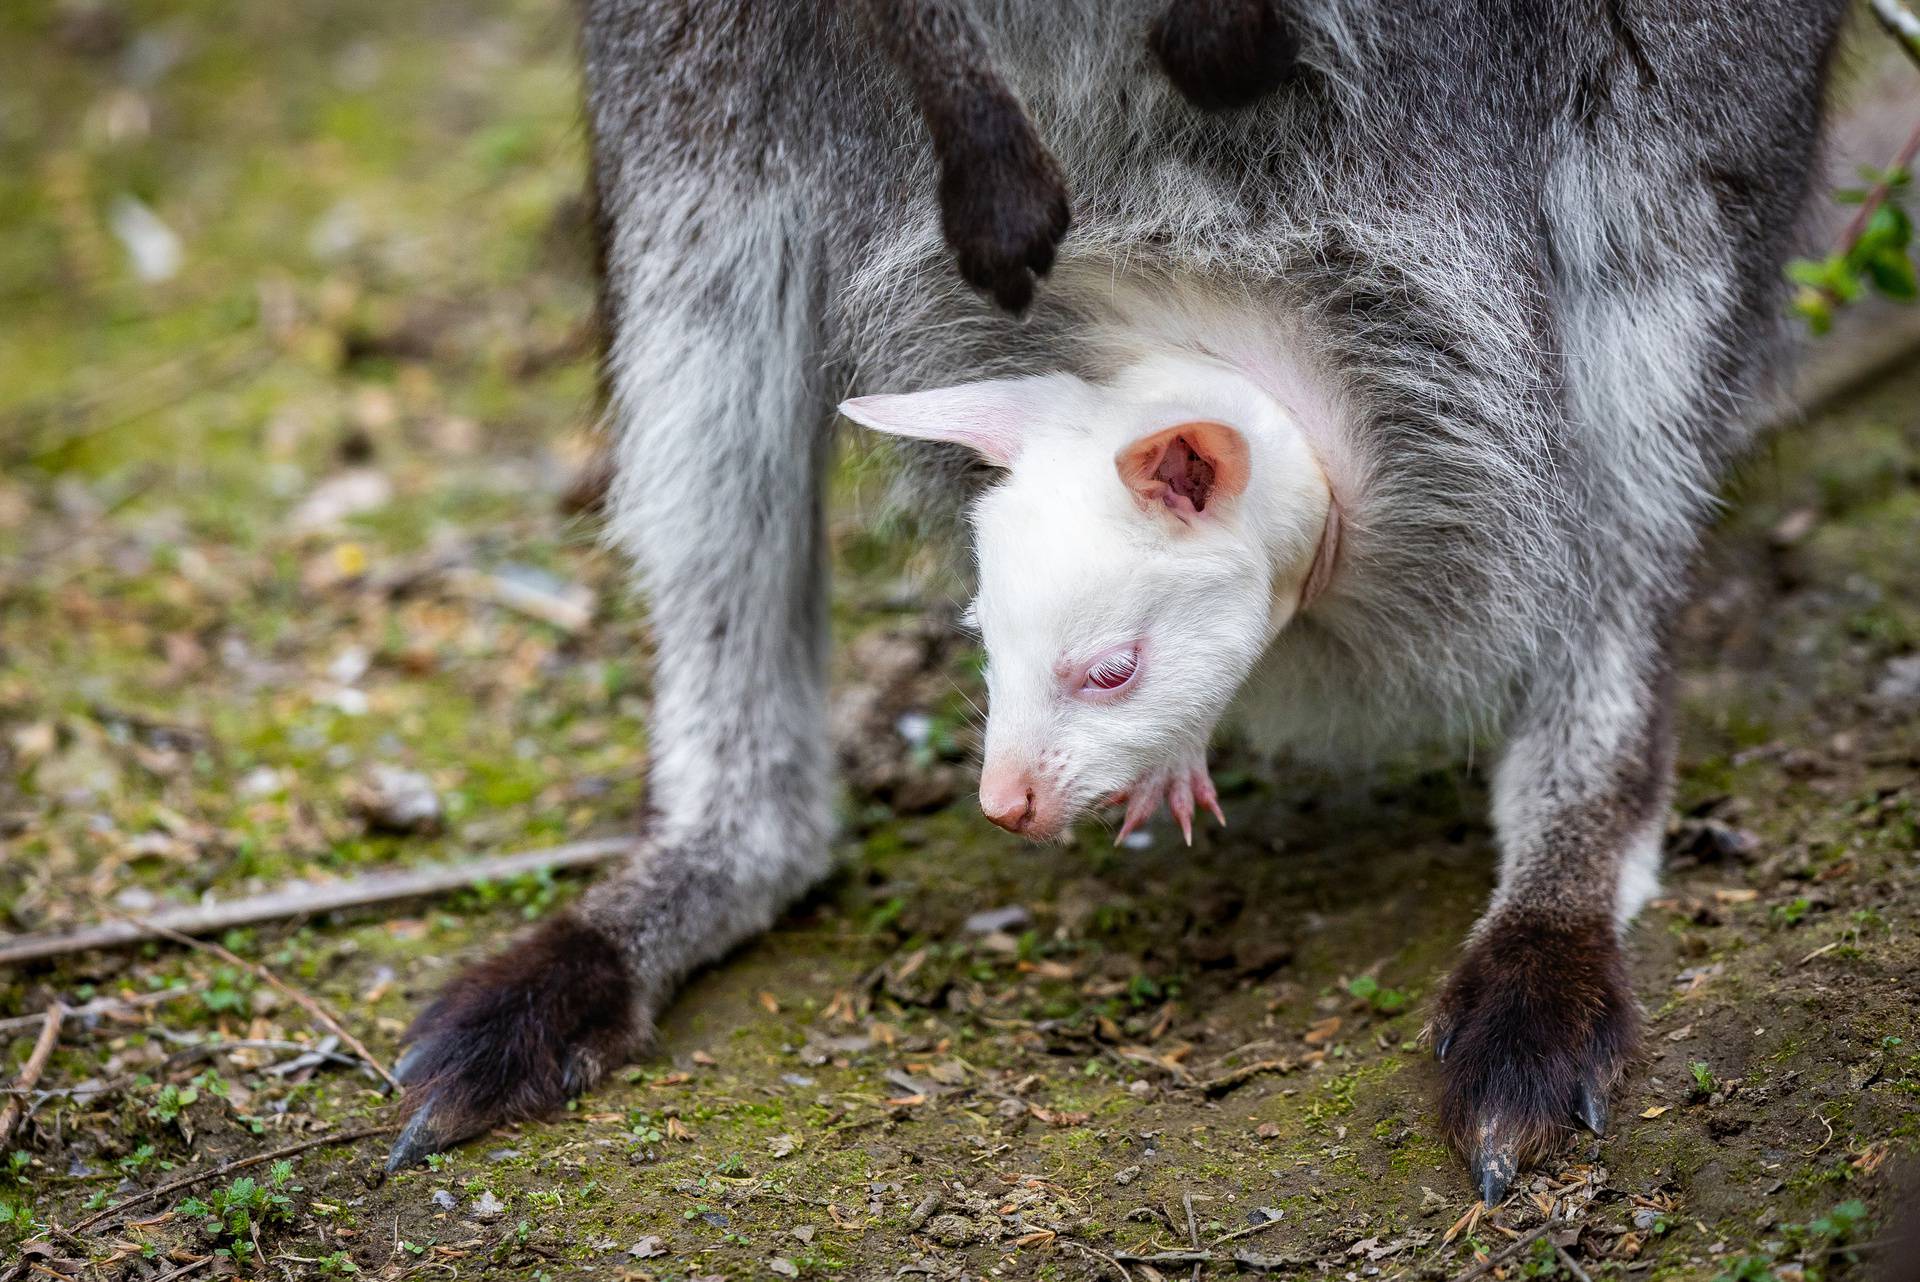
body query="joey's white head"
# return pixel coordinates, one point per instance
(1151, 537)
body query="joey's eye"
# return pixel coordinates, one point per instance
(1113, 670)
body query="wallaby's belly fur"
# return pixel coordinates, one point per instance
(1528, 249)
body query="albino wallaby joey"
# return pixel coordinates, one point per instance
(1403, 391)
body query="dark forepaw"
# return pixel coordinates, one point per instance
(514, 1037)
(1533, 1031)
(1003, 202)
(1224, 53)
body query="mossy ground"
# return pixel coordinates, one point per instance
(384, 274)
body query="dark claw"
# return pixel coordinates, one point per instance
(1591, 1111)
(1493, 1171)
(1539, 1023)
(415, 1142)
(410, 1060)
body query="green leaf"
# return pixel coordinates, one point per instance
(1891, 272)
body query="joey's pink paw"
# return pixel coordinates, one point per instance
(1180, 786)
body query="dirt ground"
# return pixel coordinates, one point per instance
(296, 367)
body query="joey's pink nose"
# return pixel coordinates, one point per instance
(1007, 800)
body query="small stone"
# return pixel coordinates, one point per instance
(648, 1247)
(444, 1200)
(953, 1230)
(486, 1207)
(802, 1232)
(1011, 917)
(399, 801)
(1126, 1175)
(783, 1266)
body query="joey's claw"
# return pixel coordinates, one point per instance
(1180, 802)
(1205, 793)
(1538, 1024)
(1183, 786)
(1141, 804)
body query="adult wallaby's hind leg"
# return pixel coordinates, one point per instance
(714, 288)
(1538, 1021)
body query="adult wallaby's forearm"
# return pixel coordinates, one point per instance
(1003, 201)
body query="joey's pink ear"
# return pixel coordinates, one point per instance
(1188, 469)
(990, 417)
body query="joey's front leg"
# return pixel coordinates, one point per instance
(1537, 1024)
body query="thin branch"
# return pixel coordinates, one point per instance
(30, 1072)
(301, 901)
(227, 1168)
(1245, 1073)
(1901, 23)
(98, 1006)
(1877, 194)
(306, 1001)
(1572, 1265)
(1510, 1250)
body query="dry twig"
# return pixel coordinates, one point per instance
(1508, 1251)
(307, 901)
(30, 1072)
(306, 1001)
(227, 1168)
(1245, 1073)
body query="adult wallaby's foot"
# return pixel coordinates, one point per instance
(1533, 1031)
(514, 1036)
(1003, 202)
(1224, 53)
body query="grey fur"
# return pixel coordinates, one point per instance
(1536, 246)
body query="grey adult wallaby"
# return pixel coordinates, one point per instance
(1501, 278)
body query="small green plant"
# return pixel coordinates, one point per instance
(1703, 1079)
(17, 1216)
(1387, 1001)
(337, 1265)
(230, 1215)
(170, 1101)
(1874, 255)
(229, 992)
(1789, 914)
(1814, 1244)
